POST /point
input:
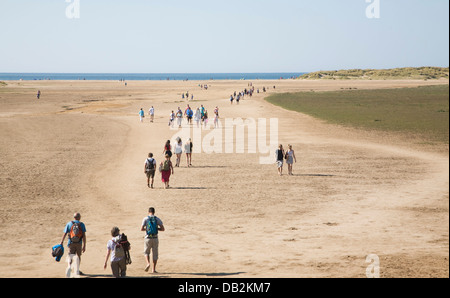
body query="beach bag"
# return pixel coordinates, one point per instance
(152, 227)
(76, 234)
(57, 252)
(149, 166)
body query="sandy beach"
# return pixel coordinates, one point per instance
(81, 148)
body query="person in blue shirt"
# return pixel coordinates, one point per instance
(76, 232)
(141, 115)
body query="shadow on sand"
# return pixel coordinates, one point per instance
(167, 275)
(313, 175)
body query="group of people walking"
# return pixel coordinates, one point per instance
(117, 248)
(166, 167)
(200, 116)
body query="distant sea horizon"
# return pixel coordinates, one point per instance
(147, 76)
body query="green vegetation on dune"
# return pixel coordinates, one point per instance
(418, 73)
(423, 111)
(2, 84)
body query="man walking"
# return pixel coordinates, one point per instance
(77, 242)
(151, 225)
(150, 168)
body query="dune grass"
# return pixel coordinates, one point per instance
(422, 111)
(416, 73)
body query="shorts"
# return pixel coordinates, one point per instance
(150, 174)
(75, 248)
(279, 163)
(151, 244)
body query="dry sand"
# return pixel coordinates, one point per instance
(81, 148)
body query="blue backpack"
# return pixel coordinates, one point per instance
(152, 227)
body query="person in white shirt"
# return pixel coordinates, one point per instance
(149, 169)
(151, 112)
(188, 151)
(198, 116)
(178, 151)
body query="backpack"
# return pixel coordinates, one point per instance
(119, 250)
(166, 165)
(76, 234)
(152, 227)
(122, 248)
(149, 166)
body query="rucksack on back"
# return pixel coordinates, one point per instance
(149, 166)
(166, 165)
(76, 234)
(119, 250)
(152, 226)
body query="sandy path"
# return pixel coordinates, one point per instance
(353, 193)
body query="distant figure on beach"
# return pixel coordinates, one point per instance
(171, 119)
(202, 112)
(141, 115)
(198, 116)
(151, 112)
(231, 99)
(216, 117)
(149, 169)
(179, 117)
(151, 225)
(167, 149)
(117, 248)
(290, 158)
(166, 170)
(38, 95)
(188, 151)
(76, 230)
(205, 118)
(280, 157)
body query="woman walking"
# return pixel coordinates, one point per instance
(178, 151)
(166, 170)
(290, 158)
(167, 149)
(188, 150)
(179, 117)
(216, 117)
(198, 116)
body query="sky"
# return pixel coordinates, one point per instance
(221, 36)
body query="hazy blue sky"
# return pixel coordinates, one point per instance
(164, 36)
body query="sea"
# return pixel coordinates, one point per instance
(146, 76)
